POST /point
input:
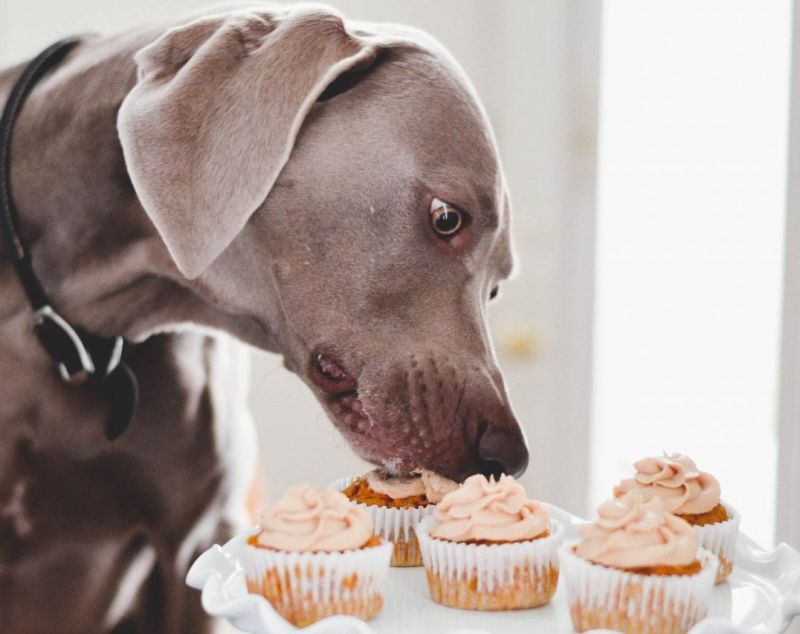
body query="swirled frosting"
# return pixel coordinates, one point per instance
(489, 510)
(632, 533)
(676, 481)
(306, 519)
(422, 482)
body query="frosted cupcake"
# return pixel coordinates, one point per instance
(488, 547)
(317, 555)
(692, 495)
(639, 570)
(397, 504)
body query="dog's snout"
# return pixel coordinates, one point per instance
(448, 414)
(502, 451)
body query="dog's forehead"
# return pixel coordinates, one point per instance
(411, 125)
(450, 134)
(449, 126)
(439, 118)
(428, 100)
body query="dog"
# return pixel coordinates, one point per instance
(277, 177)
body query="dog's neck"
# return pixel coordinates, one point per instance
(94, 248)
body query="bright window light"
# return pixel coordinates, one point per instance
(693, 128)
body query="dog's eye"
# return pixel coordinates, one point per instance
(494, 293)
(445, 218)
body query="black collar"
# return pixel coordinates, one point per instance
(81, 357)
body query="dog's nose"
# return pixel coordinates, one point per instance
(502, 451)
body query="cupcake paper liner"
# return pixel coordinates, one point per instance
(720, 539)
(394, 525)
(305, 587)
(491, 576)
(604, 597)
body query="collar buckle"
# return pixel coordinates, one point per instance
(73, 373)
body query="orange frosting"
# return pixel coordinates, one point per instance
(489, 510)
(676, 481)
(306, 519)
(631, 533)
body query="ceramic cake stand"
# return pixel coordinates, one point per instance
(760, 597)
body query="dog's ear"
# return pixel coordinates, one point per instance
(214, 114)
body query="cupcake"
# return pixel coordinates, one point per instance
(692, 495)
(488, 547)
(317, 555)
(638, 570)
(397, 504)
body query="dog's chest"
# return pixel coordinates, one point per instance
(70, 499)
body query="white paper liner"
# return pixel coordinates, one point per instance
(720, 538)
(595, 587)
(492, 564)
(390, 523)
(323, 576)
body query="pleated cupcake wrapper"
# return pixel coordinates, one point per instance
(720, 538)
(683, 600)
(491, 564)
(322, 576)
(390, 523)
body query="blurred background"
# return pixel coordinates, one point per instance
(657, 302)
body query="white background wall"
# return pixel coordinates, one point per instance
(788, 527)
(693, 142)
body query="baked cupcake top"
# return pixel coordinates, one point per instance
(489, 511)
(306, 519)
(676, 481)
(631, 533)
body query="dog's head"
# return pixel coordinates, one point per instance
(340, 186)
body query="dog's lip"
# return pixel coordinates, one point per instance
(329, 374)
(359, 429)
(367, 440)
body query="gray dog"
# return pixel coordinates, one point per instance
(330, 191)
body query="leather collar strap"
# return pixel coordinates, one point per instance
(81, 357)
